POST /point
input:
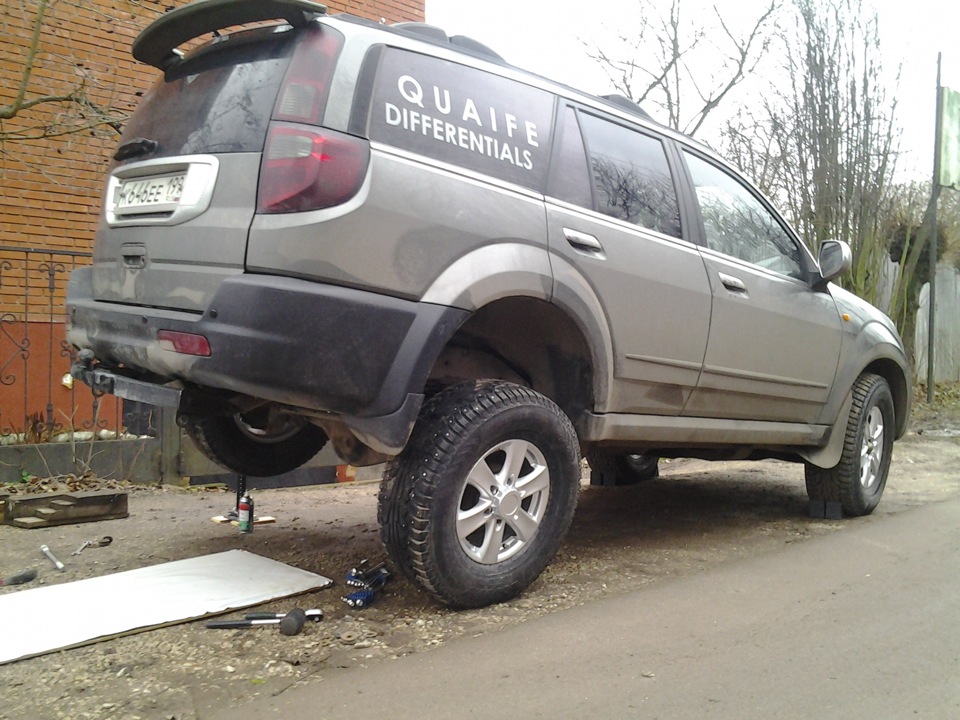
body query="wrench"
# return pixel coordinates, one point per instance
(102, 542)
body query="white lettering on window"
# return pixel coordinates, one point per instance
(411, 90)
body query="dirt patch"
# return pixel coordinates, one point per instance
(696, 516)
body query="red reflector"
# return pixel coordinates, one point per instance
(184, 343)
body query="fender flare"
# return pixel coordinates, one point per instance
(876, 342)
(492, 272)
(873, 344)
(515, 269)
(574, 295)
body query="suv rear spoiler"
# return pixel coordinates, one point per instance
(157, 44)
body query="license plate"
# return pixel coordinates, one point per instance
(145, 195)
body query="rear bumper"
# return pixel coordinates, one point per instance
(356, 354)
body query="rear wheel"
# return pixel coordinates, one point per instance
(858, 480)
(256, 443)
(478, 503)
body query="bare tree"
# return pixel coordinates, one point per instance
(825, 140)
(684, 68)
(841, 120)
(753, 142)
(53, 106)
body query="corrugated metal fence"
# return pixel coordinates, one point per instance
(946, 351)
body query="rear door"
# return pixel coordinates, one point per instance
(178, 208)
(615, 223)
(774, 341)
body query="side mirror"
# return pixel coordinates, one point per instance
(835, 259)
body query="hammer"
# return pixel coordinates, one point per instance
(290, 624)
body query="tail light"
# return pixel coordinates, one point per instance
(303, 95)
(307, 168)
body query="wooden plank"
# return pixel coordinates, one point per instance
(47, 510)
(27, 522)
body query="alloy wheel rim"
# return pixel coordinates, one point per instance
(503, 501)
(277, 431)
(871, 449)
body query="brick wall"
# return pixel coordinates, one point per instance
(50, 187)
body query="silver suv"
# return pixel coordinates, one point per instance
(384, 237)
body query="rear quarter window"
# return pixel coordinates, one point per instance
(463, 116)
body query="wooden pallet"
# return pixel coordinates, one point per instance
(33, 511)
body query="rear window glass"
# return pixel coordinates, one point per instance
(569, 176)
(462, 116)
(631, 176)
(219, 102)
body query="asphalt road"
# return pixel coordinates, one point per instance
(862, 623)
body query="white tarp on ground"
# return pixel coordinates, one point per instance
(45, 619)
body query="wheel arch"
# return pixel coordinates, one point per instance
(526, 340)
(574, 296)
(900, 387)
(874, 347)
(519, 290)
(491, 272)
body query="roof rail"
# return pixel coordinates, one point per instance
(625, 103)
(460, 41)
(431, 31)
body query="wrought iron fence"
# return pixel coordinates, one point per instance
(38, 401)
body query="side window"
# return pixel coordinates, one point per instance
(569, 175)
(631, 177)
(736, 222)
(463, 116)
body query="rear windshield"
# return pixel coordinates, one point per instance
(218, 101)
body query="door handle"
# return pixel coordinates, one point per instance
(582, 240)
(733, 284)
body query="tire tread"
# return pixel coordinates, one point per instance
(839, 483)
(409, 492)
(218, 438)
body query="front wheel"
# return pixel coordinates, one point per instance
(858, 480)
(478, 503)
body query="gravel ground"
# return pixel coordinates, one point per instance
(696, 516)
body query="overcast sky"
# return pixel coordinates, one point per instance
(548, 37)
